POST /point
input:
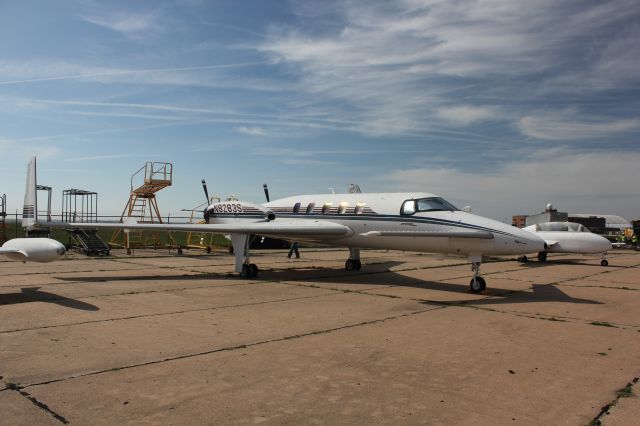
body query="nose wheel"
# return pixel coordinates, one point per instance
(477, 284)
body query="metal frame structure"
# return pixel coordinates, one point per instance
(3, 218)
(143, 207)
(88, 205)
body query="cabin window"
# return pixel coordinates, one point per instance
(326, 208)
(408, 207)
(342, 209)
(296, 208)
(359, 208)
(310, 208)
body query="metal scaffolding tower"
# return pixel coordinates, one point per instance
(143, 207)
(3, 218)
(79, 205)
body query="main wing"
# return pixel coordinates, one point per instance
(276, 228)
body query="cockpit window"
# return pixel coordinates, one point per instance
(561, 227)
(431, 204)
(408, 207)
(434, 204)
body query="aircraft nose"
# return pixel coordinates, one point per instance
(533, 242)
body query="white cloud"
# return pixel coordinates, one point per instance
(100, 157)
(399, 65)
(252, 131)
(130, 24)
(468, 114)
(572, 181)
(565, 125)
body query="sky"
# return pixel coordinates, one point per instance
(501, 105)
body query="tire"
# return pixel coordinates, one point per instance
(349, 265)
(477, 285)
(179, 251)
(358, 264)
(604, 262)
(244, 273)
(253, 270)
(542, 256)
(523, 259)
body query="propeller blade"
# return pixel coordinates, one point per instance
(266, 191)
(206, 193)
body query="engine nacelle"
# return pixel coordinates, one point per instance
(231, 211)
(33, 249)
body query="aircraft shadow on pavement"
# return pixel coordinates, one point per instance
(375, 274)
(492, 296)
(33, 294)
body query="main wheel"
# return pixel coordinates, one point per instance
(523, 259)
(477, 284)
(349, 265)
(358, 264)
(604, 262)
(179, 251)
(253, 270)
(244, 273)
(542, 256)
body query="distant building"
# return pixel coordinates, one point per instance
(519, 221)
(550, 214)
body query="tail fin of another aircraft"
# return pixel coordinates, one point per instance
(30, 209)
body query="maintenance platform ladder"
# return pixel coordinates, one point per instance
(87, 241)
(143, 207)
(3, 219)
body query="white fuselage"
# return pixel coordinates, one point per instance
(573, 242)
(376, 222)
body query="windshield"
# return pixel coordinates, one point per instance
(561, 226)
(431, 204)
(434, 204)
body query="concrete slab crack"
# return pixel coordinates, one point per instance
(236, 347)
(41, 405)
(622, 393)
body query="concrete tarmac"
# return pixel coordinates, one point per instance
(157, 338)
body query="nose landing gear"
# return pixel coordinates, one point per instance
(477, 284)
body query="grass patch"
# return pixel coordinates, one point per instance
(556, 319)
(603, 324)
(603, 353)
(625, 392)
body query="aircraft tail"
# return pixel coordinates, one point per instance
(30, 209)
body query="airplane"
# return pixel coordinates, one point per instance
(39, 250)
(568, 237)
(410, 221)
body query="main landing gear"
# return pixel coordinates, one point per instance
(241, 243)
(353, 263)
(604, 261)
(542, 256)
(477, 283)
